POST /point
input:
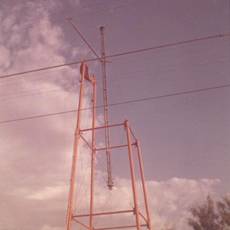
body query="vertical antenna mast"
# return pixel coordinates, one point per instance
(106, 116)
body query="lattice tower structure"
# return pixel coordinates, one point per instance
(75, 218)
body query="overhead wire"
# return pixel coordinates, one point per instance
(39, 91)
(174, 44)
(120, 103)
(122, 77)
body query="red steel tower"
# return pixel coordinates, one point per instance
(140, 218)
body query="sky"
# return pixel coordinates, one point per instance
(185, 139)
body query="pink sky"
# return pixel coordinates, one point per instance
(185, 139)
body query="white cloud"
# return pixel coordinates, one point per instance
(48, 193)
(35, 154)
(47, 227)
(170, 200)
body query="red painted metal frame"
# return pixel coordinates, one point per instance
(112, 147)
(133, 178)
(131, 144)
(103, 127)
(141, 166)
(120, 227)
(105, 213)
(72, 188)
(93, 156)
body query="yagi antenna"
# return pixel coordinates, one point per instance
(83, 37)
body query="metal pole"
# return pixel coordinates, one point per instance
(92, 156)
(75, 155)
(141, 166)
(132, 172)
(106, 117)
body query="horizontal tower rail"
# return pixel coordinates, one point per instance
(105, 213)
(102, 127)
(120, 227)
(111, 147)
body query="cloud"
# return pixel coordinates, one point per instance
(47, 193)
(47, 227)
(36, 154)
(170, 200)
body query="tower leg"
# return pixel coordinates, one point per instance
(93, 155)
(141, 167)
(72, 189)
(133, 179)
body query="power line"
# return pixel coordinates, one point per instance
(174, 44)
(169, 45)
(170, 95)
(120, 103)
(127, 75)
